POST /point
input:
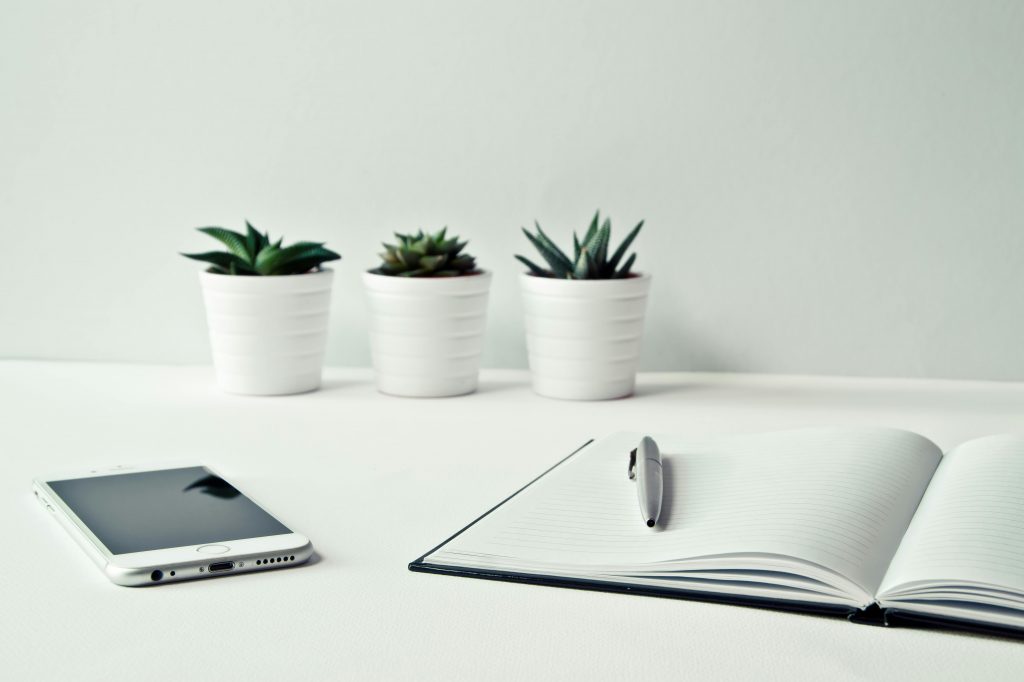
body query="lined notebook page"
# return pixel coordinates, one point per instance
(970, 525)
(840, 498)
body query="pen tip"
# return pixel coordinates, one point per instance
(650, 523)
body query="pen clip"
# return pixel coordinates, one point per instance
(632, 464)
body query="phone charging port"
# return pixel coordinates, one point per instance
(222, 566)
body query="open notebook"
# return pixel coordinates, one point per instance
(874, 523)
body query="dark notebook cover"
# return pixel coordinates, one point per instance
(873, 615)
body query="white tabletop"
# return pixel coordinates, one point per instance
(321, 460)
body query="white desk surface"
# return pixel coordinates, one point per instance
(321, 460)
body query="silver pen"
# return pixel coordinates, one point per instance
(645, 469)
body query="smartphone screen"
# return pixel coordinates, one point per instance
(149, 510)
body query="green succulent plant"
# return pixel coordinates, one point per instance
(253, 253)
(590, 255)
(426, 255)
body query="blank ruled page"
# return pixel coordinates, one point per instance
(970, 525)
(839, 498)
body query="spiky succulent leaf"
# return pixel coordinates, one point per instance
(222, 262)
(426, 255)
(431, 263)
(277, 260)
(613, 262)
(266, 258)
(409, 257)
(598, 249)
(550, 245)
(302, 264)
(593, 271)
(292, 259)
(534, 268)
(235, 242)
(253, 241)
(582, 266)
(554, 257)
(590, 254)
(624, 272)
(461, 263)
(592, 229)
(254, 254)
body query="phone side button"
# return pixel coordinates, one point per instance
(49, 507)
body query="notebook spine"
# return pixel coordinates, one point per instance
(901, 618)
(872, 615)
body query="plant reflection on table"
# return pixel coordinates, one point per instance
(214, 485)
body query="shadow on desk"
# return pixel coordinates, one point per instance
(646, 391)
(500, 385)
(329, 385)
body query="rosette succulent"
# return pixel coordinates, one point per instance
(426, 255)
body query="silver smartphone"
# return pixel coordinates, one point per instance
(161, 524)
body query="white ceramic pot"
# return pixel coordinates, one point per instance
(583, 336)
(426, 333)
(268, 334)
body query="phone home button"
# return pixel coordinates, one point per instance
(213, 549)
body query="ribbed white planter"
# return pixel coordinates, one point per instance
(426, 333)
(268, 334)
(583, 336)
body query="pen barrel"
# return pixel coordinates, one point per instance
(649, 489)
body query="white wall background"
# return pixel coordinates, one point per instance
(829, 187)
